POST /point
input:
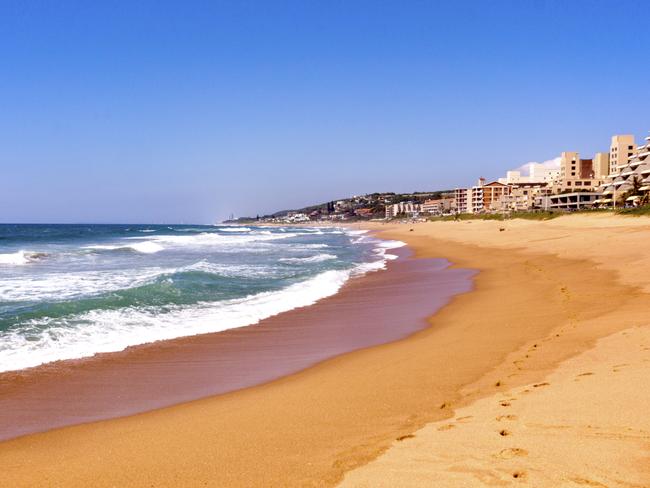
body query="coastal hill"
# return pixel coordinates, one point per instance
(368, 206)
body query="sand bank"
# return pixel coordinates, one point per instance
(546, 293)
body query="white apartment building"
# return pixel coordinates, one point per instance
(409, 209)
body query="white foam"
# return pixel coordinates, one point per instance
(214, 239)
(234, 229)
(67, 286)
(312, 246)
(45, 340)
(147, 247)
(318, 258)
(49, 339)
(383, 246)
(17, 258)
(233, 271)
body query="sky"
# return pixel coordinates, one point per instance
(189, 111)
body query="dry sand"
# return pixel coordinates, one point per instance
(547, 293)
(585, 424)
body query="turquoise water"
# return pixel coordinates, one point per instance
(70, 291)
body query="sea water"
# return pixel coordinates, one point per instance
(71, 291)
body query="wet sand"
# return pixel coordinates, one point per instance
(374, 309)
(546, 292)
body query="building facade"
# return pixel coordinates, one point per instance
(629, 184)
(438, 206)
(621, 149)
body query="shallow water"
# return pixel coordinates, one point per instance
(70, 291)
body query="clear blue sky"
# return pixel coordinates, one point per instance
(187, 111)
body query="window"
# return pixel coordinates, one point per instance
(578, 183)
(587, 183)
(573, 174)
(629, 148)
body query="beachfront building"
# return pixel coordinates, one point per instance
(524, 196)
(570, 201)
(462, 197)
(621, 149)
(483, 197)
(579, 174)
(537, 173)
(408, 209)
(493, 193)
(629, 183)
(438, 206)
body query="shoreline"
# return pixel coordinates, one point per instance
(150, 376)
(529, 312)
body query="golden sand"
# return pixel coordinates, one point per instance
(547, 292)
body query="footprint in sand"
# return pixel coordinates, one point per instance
(519, 474)
(463, 419)
(538, 385)
(505, 404)
(446, 427)
(512, 453)
(504, 433)
(403, 437)
(517, 363)
(589, 373)
(586, 482)
(506, 417)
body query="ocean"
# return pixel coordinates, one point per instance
(71, 291)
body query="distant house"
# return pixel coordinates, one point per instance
(363, 212)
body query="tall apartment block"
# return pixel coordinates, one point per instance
(579, 174)
(620, 151)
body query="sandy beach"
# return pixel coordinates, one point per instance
(536, 376)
